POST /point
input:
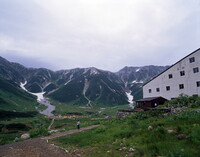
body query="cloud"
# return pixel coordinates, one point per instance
(105, 34)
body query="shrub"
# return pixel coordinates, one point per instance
(123, 133)
(184, 100)
(39, 132)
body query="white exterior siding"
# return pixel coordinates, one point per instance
(189, 80)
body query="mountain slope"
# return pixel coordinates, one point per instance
(90, 86)
(12, 97)
(8, 72)
(135, 77)
(81, 86)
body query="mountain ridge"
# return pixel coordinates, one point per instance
(82, 86)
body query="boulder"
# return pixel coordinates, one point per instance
(150, 127)
(181, 136)
(25, 136)
(170, 131)
(132, 150)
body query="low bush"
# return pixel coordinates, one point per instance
(185, 100)
(39, 132)
(123, 133)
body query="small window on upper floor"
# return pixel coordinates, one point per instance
(192, 59)
(149, 90)
(198, 83)
(157, 89)
(196, 70)
(168, 88)
(181, 86)
(170, 76)
(182, 73)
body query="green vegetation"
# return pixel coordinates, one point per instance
(95, 111)
(144, 133)
(185, 101)
(149, 133)
(18, 123)
(14, 98)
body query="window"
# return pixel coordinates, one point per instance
(198, 83)
(196, 70)
(149, 90)
(170, 76)
(192, 59)
(182, 73)
(167, 88)
(157, 89)
(181, 86)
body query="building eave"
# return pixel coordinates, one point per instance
(171, 66)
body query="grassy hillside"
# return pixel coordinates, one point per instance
(14, 98)
(145, 133)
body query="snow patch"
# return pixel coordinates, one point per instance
(49, 74)
(22, 85)
(41, 99)
(130, 99)
(137, 70)
(137, 81)
(39, 95)
(70, 78)
(93, 71)
(86, 86)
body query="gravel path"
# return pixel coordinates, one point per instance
(38, 147)
(59, 134)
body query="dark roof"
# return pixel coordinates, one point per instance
(171, 66)
(150, 99)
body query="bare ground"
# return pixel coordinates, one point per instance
(38, 147)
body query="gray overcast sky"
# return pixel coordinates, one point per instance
(107, 34)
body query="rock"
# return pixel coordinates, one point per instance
(132, 150)
(196, 110)
(122, 145)
(150, 127)
(16, 139)
(25, 136)
(181, 136)
(170, 131)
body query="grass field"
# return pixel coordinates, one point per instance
(130, 136)
(169, 135)
(145, 133)
(95, 111)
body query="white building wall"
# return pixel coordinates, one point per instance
(189, 80)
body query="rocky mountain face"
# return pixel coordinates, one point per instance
(81, 86)
(135, 77)
(90, 86)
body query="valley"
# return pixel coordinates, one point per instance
(41, 103)
(41, 100)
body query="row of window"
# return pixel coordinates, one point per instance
(181, 86)
(182, 73)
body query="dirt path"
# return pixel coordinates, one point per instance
(59, 134)
(51, 124)
(38, 147)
